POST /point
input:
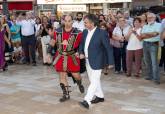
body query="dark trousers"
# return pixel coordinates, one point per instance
(29, 47)
(162, 59)
(120, 58)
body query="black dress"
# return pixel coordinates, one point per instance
(8, 49)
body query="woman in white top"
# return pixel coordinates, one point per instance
(38, 37)
(134, 48)
(120, 35)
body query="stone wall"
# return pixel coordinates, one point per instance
(147, 3)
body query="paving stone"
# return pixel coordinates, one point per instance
(35, 90)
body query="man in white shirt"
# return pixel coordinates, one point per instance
(27, 24)
(79, 23)
(128, 18)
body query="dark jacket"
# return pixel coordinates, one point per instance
(100, 53)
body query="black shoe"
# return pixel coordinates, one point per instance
(66, 92)
(34, 64)
(160, 65)
(81, 87)
(49, 64)
(44, 63)
(4, 69)
(148, 78)
(27, 63)
(64, 98)
(97, 100)
(157, 82)
(105, 73)
(84, 104)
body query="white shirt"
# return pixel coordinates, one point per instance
(37, 27)
(130, 21)
(79, 25)
(118, 32)
(134, 43)
(27, 27)
(19, 49)
(88, 39)
(56, 25)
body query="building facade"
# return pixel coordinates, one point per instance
(17, 5)
(146, 3)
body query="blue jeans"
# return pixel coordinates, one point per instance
(150, 51)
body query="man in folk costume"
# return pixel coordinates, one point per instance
(66, 59)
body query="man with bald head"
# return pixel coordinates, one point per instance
(151, 37)
(66, 59)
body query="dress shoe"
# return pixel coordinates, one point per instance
(97, 100)
(105, 73)
(44, 63)
(137, 75)
(128, 75)
(157, 82)
(84, 104)
(34, 64)
(148, 78)
(27, 63)
(117, 72)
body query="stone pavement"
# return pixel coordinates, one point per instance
(35, 90)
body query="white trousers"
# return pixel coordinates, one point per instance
(44, 42)
(94, 88)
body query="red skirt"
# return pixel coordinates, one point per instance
(71, 66)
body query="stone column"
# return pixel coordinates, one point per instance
(105, 8)
(125, 5)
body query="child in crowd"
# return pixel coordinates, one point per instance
(18, 54)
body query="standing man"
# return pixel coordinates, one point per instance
(151, 38)
(95, 48)
(79, 23)
(66, 60)
(27, 24)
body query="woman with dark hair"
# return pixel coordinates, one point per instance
(103, 26)
(134, 48)
(8, 49)
(45, 38)
(38, 37)
(3, 39)
(102, 18)
(143, 18)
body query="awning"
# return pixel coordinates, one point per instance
(20, 5)
(18, 0)
(79, 1)
(71, 8)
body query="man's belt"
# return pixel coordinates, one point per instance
(29, 36)
(65, 54)
(157, 43)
